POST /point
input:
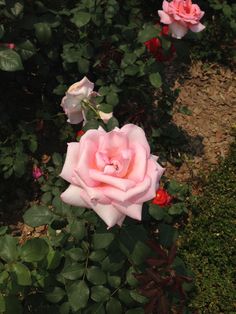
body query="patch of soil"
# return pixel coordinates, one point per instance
(208, 91)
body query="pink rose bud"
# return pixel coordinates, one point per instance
(8, 45)
(71, 103)
(105, 117)
(181, 15)
(112, 172)
(37, 172)
(11, 46)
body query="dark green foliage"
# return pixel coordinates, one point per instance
(217, 42)
(209, 242)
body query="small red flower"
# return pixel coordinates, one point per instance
(80, 133)
(155, 48)
(162, 198)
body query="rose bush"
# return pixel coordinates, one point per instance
(181, 15)
(113, 173)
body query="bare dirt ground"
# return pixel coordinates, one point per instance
(209, 92)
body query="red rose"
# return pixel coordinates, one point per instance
(80, 133)
(155, 48)
(165, 30)
(162, 198)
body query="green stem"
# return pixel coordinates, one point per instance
(88, 104)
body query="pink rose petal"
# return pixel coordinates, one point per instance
(165, 18)
(177, 30)
(70, 162)
(197, 28)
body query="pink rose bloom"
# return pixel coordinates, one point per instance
(37, 172)
(113, 173)
(71, 103)
(181, 15)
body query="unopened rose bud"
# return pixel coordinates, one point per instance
(37, 172)
(105, 117)
(11, 46)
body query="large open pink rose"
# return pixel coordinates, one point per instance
(181, 15)
(113, 173)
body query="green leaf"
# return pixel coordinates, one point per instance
(102, 240)
(100, 293)
(175, 188)
(91, 124)
(140, 253)
(34, 250)
(125, 297)
(53, 259)
(167, 234)
(137, 310)
(26, 49)
(113, 306)
(107, 108)
(3, 230)
(17, 8)
(2, 304)
(111, 264)
(132, 281)
(177, 209)
(103, 90)
(114, 281)
(112, 123)
(156, 211)
(4, 275)
(138, 297)
(33, 144)
(78, 294)
(60, 89)
(46, 198)
(77, 229)
(22, 274)
(227, 10)
(112, 98)
(149, 32)
(10, 61)
(155, 80)
(43, 32)
(83, 65)
(2, 31)
(57, 159)
(8, 248)
(38, 216)
(165, 43)
(65, 308)
(96, 308)
(81, 18)
(73, 271)
(13, 305)
(97, 256)
(96, 276)
(77, 254)
(56, 295)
